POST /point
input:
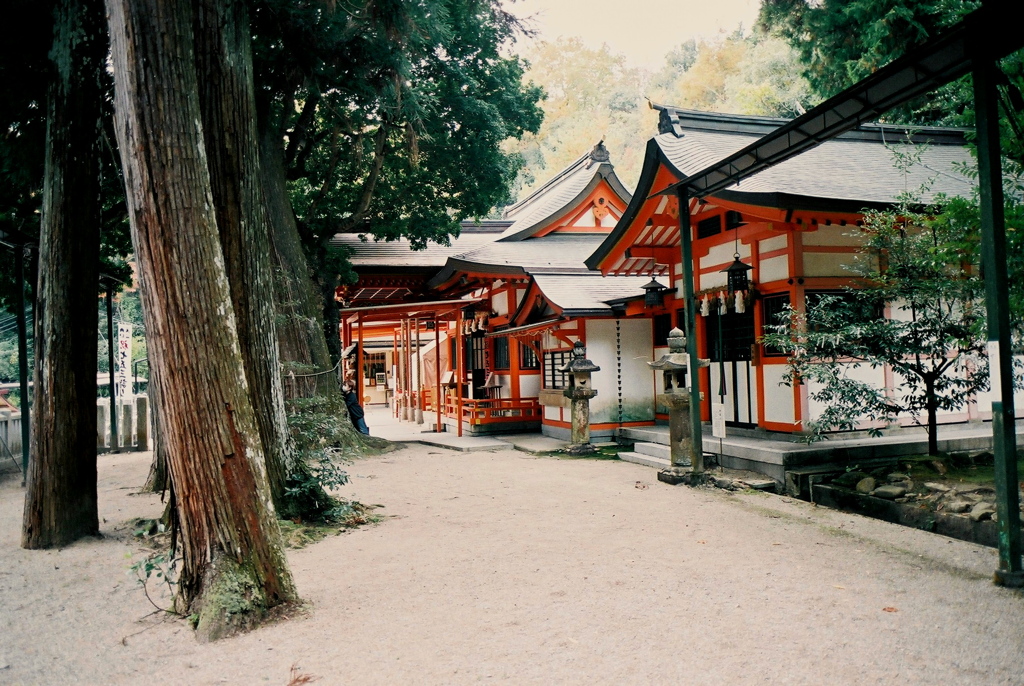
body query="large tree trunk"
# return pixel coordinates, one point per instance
(158, 480)
(303, 345)
(224, 55)
(932, 405)
(60, 502)
(233, 560)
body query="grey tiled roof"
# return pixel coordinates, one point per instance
(558, 194)
(588, 292)
(399, 253)
(844, 169)
(551, 254)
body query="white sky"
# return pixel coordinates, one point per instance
(643, 30)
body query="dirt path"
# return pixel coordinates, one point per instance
(503, 567)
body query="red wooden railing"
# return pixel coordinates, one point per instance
(493, 411)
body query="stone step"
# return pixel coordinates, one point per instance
(645, 460)
(653, 449)
(647, 434)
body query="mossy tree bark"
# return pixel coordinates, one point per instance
(226, 99)
(303, 343)
(234, 566)
(60, 501)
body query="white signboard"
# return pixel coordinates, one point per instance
(123, 360)
(718, 420)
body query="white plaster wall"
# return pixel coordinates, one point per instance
(828, 264)
(637, 377)
(499, 303)
(778, 399)
(773, 269)
(587, 219)
(552, 413)
(863, 373)
(713, 280)
(774, 243)
(529, 386)
(723, 254)
(985, 398)
(835, 235)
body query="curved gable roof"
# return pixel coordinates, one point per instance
(850, 173)
(562, 194)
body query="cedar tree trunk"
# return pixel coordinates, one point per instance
(234, 566)
(226, 99)
(157, 481)
(60, 501)
(300, 331)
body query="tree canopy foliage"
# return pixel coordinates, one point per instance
(385, 107)
(842, 41)
(594, 93)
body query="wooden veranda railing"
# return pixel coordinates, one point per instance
(494, 411)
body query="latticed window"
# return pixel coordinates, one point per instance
(662, 326)
(501, 359)
(772, 307)
(528, 357)
(553, 361)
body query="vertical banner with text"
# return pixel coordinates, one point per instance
(123, 360)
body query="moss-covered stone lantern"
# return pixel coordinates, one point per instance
(676, 397)
(580, 391)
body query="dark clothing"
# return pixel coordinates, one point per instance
(355, 412)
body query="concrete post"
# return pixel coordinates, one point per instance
(142, 422)
(126, 425)
(101, 426)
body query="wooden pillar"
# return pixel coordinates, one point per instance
(693, 373)
(406, 380)
(460, 367)
(419, 377)
(394, 375)
(360, 393)
(1000, 356)
(437, 372)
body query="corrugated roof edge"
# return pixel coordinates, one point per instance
(675, 120)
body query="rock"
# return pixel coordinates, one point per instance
(889, 492)
(939, 466)
(938, 488)
(722, 482)
(849, 479)
(896, 477)
(956, 506)
(984, 458)
(866, 485)
(982, 511)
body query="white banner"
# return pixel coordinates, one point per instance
(123, 360)
(718, 420)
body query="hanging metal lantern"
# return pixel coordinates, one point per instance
(736, 274)
(654, 294)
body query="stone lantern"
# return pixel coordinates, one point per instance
(580, 391)
(677, 398)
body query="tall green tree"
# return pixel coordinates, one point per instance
(60, 500)
(917, 311)
(842, 41)
(370, 117)
(233, 567)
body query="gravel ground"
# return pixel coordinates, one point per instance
(504, 567)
